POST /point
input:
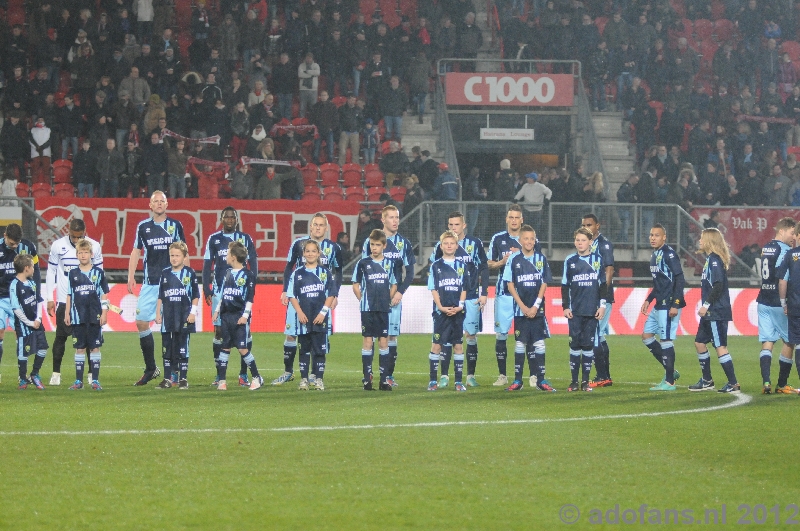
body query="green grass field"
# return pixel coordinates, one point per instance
(278, 458)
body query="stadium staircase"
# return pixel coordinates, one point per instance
(618, 160)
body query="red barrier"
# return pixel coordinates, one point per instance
(745, 226)
(274, 225)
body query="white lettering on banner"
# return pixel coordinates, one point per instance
(510, 89)
(469, 89)
(492, 133)
(525, 89)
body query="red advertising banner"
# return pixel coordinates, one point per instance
(269, 315)
(273, 225)
(510, 90)
(745, 226)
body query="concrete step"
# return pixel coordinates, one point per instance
(605, 121)
(613, 148)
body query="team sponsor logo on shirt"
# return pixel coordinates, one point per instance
(186, 281)
(241, 281)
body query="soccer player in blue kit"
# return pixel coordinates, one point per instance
(331, 257)
(153, 238)
(602, 246)
(374, 285)
(215, 267)
(24, 304)
(446, 281)
(789, 292)
(234, 312)
(176, 312)
(527, 274)
(86, 311)
(583, 293)
(11, 246)
(470, 251)
(311, 293)
(663, 320)
(501, 247)
(397, 248)
(715, 312)
(773, 324)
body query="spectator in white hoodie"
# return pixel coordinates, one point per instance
(40, 139)
(533, 192)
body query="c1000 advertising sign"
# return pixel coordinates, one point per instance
(510, 90)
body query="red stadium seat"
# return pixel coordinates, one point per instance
(339, 100)
(792, 48)
(374, 194)
(329, 173)
(372, 166)
(310, 174)
(23, 190)
(311, 196)
(703, 29)
(62, 171)
(311, 190)
(40, 190)
(398, 193)
(351, 174)
(64, 190)
(333, 193)
(373, 178)
(354, 193)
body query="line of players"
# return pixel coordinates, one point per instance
(170, 296)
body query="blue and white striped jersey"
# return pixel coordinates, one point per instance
(528, 273)
(24, 298)
(376, 279)
(311, 287)
(446, 277)
(85, 290)
(583, 275)
(177, 290)
(154, 239)
(214, 259)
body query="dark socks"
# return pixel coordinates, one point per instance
(392, 356)
(22, 365)
(148, 351)
(167, 368)
(384, 361)
(222, 368)
(289, 353)
(586, 365)
(458, 366)
(249, 362)
(447, 355)
(501, 351)
(184, 368)
(367, 359)
(540, 359)
(319, 366)
(574, 364)
(94, 361)
(533, 365)
(80, 362)
(472, 356)
(305, 361)
(705, 365)
(727, 365)
(601, 361)
(38, 361)
(434, 366)
(765, 361)
(785, 365)
(519, 361)
(655, 349)
(668, 360)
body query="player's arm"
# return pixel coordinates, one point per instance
(357, 290)
(483, 271)
(133, 262)
(252, 257)
(337, 271)
(249, 298)
(158, 311)
(195, 296)
(609, 274)
(208, 276)
(783, 285)
(356, 280)
(287, 273)
(51, 280)
(404, 283)
(97, 255)
(565, 298)
(715, 293)
(182, 237)
(104, 306)
(512, 290)
(602, 289)
(326, 309)
(678, 284)
(646, 303)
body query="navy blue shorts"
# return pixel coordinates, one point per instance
(32, 343)
(375, 324)
(314, 342)
(448, 329)
(175, 345)
(714, 332)
(87, 336)
(582, 332)
(529, 331)
(794, 330)
(234, 335)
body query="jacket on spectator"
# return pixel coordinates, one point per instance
(325, 116)
(396, 163)
(154, 160)
(137, 88)
(350, 118)
(394, 101)
(445, 188)
(84, 167)
(110, 164)
(124, 114)
(40, 139)
(309, 76)
(176, 161)
(14, 141)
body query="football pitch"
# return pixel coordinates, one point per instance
(278, 458)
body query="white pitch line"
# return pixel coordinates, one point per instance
(739, 400)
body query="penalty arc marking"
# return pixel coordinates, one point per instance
(739, 400)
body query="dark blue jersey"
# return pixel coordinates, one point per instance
(605, 249)
(25, 299)
(311, 287)
(8, 273)
(176, 291)
(714, 275)
(470, 251)
(376, 279)
(528, 273)
(446, 277)
(400, 250)
(585, 281)
(773, 255)
(85, 290)
(668, 280)
(153, 240)
(214, 260)
(500, 246)
(330, 256)
(789, 270)
(238, 288)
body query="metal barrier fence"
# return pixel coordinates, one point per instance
(445, 142)
(587, 145)
(626, 225)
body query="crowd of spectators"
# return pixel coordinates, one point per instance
(118, 71)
